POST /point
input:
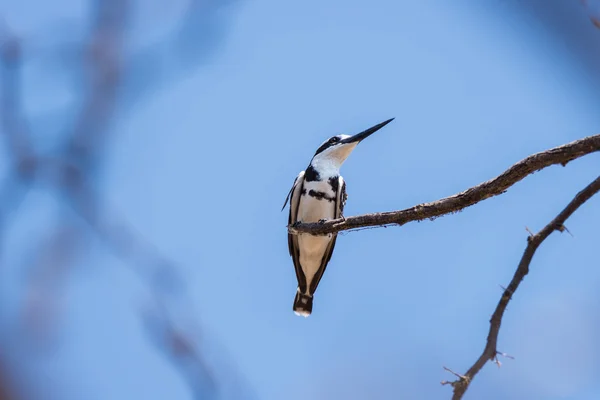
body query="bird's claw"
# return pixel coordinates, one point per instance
(322, 221)
(295, 224)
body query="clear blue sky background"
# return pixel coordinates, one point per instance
(202, 162)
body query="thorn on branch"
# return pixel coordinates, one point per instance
(496, 361)
(530, 233)
(461, 378)
(504, 355)
(506, 290)
(562, 228)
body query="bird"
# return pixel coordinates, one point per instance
(317, 195)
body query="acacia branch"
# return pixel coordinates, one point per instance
(490, 351)
(557, 155)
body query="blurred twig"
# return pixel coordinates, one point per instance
(490, 352)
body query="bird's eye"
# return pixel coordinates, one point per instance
(334, 139)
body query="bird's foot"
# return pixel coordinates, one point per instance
(295, 224)
(322, 221)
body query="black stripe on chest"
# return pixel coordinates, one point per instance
(320, 195)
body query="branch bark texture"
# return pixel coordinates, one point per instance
(498, 185)
(490, 351)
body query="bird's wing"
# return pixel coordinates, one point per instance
(294, 198)
(292, 189)
(340, 202)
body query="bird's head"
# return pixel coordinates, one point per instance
(333, 152)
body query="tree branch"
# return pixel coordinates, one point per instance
(490, 351)
(558, 155)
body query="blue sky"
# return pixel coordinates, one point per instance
(201, 164)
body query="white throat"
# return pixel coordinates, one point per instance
(328, 162)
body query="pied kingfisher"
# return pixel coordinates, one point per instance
(318, 194)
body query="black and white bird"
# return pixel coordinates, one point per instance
(318, 194)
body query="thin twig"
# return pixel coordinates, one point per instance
(533, 242)
(558, 155)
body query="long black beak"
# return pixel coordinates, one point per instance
(365, 134)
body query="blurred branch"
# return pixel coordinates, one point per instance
(15, 132)
(108, 74)
(558, 155)
(178, 342)
(51, 261)
(591, 12)
(490, 352)
(6, 390)
(14, 129)
(186, 47)
(104, 60)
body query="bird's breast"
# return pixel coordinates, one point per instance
(317, 202)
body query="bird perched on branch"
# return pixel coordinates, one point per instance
(318, 194)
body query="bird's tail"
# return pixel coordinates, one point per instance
(303, 304)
